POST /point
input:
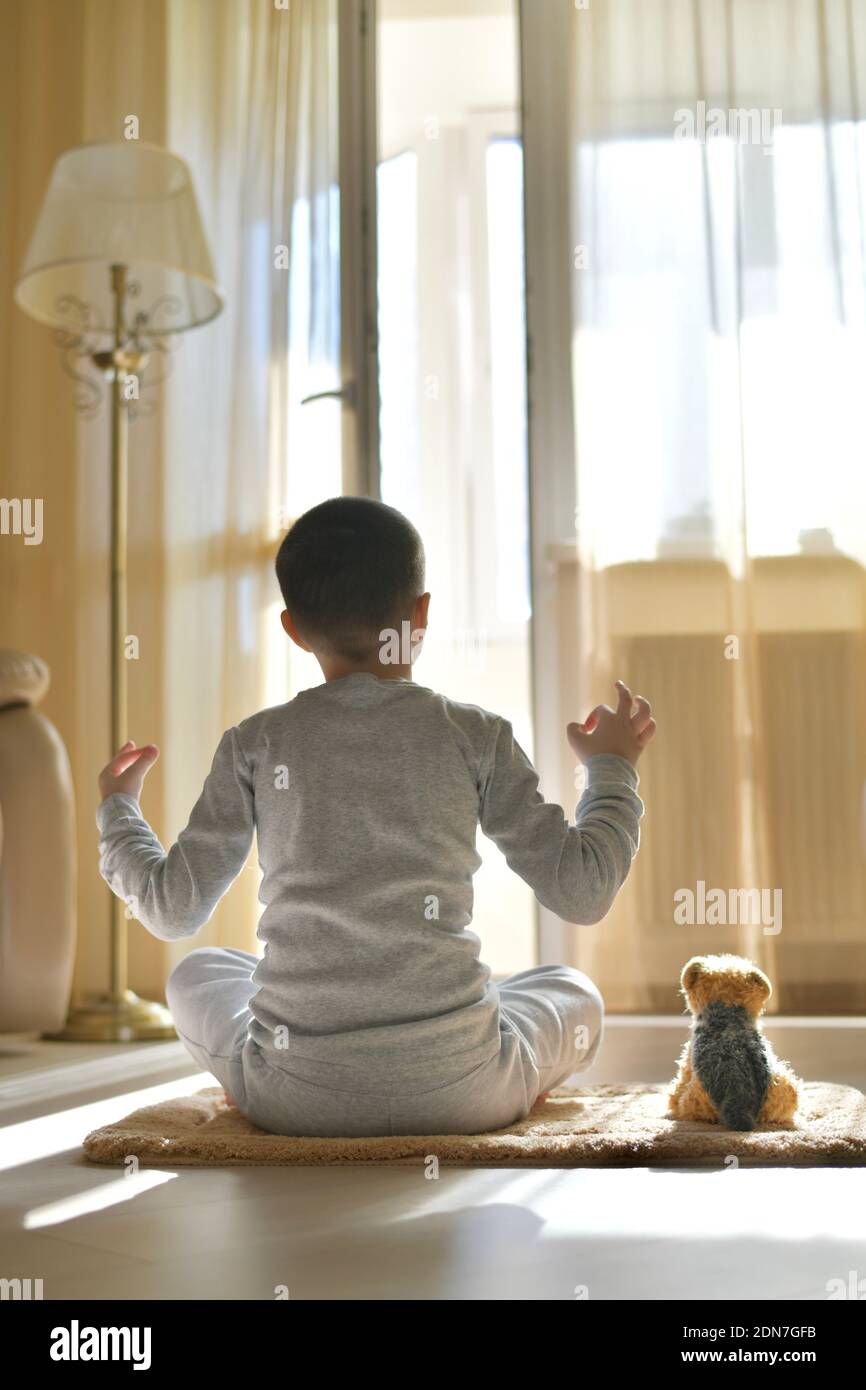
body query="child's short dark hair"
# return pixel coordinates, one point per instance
(348, 569)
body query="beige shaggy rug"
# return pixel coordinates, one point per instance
(599, 1126)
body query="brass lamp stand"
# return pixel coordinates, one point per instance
(119, 221)
(119, 1015)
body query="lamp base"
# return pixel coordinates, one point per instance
(116, 1018)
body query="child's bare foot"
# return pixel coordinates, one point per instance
(229, 1099)
(542, 1098)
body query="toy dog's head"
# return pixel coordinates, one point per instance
(726, 979)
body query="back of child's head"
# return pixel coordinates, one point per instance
(348, 570)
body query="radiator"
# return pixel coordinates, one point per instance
(780, 810)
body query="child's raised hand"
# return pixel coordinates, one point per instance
(625, 731)
(127, 770)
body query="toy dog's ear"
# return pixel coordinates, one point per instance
(761, 981)
(691, 970)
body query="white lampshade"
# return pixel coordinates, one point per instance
(127, 203)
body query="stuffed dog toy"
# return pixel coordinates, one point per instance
(728, 1071)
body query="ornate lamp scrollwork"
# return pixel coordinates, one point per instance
(78, 340)
(76, 344)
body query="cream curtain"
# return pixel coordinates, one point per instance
(252, 107)
(220, 455)
(717, 177)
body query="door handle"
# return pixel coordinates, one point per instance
(344, 393)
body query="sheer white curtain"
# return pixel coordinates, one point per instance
(722, 294)
(717, 172)
(252, 107)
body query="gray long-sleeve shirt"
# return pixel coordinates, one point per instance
(365, 796)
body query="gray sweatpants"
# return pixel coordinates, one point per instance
(551, 1024)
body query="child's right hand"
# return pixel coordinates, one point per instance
(625, 731)
(127, 770)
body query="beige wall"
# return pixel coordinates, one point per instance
(69, 73)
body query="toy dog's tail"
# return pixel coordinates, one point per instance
(730, 1060)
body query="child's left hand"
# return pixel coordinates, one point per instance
(127, 770)
(625, 731)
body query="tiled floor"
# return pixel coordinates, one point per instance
(344, 1233)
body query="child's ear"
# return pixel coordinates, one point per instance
(419, 616)
(419, 613)
(291, 631)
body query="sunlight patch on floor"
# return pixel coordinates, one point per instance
(96, 1199)
(781, 1204)
(32, 1140)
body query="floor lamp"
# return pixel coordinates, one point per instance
(118, 262)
